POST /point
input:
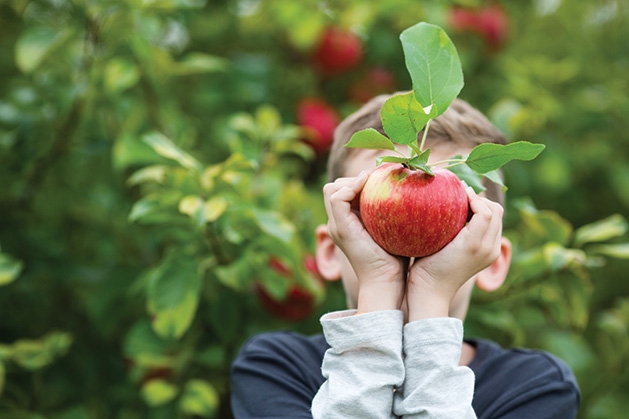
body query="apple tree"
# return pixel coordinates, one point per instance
(161, 165)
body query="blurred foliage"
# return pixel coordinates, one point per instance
(157, 202)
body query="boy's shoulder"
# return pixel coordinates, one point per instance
(286, 351)
(491, 358)
(508, 377)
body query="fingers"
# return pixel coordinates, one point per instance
(486, 222)
(339, 196)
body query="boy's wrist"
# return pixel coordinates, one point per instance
(378, 297)
(424, 305)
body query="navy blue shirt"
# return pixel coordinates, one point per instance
(276, 375)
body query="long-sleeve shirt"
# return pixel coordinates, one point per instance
(372, 366)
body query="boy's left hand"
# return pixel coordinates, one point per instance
(433, 281)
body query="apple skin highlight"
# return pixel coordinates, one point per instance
(411, 213)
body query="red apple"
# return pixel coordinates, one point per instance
(319, 120)
(376, 81)
(490, 23)
(338, 50)
(298, 303)
(493, 25)
(411, 213)
(462, 19)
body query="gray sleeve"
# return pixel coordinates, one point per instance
(362, 367)
(435, 387)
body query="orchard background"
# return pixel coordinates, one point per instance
(161, 165)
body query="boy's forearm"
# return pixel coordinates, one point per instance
(362, 367)
(435, 386)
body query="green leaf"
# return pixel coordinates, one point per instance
(33, 354)
(558, 257)
(155, 207)
(274, 224)
(34, 45)
(155, 174)
(199, 63)
(10, 269)
(2, 377)
(199, 398)
(214, 208)
(128, 151)
(120, 74)
(173, 294)
(619, 251)
(470, 177)
(546, 226)
(370, 138)
(268, 120)
(158, 392)
(192, 206)
(420, 162)
(144, 346)
(403, 117)
(433, 64)
(489, 156)
(166, 148)
(495, 177)
(601, 230)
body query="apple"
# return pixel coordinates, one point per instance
(297, 305)
(299, 302)
(490, 23)
(462, 18)
(318, 119)
(493, 25)
(376, 81)
(412, 213)
(337, 51)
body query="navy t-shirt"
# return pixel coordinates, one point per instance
(276, 375)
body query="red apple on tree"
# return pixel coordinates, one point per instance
(318, 120)
(490, 23)
(410, 212)
(338, 50)
(376, 81)
(298, 303)
(493, 25)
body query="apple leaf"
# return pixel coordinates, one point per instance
(488, 157)
(606, 229)
(433, 64)
(469, 176)
(419, 162)
(495, 177)
(370, 138)
(618, 251)
(403, 117)
(173, 294)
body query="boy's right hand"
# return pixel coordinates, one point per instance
(381, 276)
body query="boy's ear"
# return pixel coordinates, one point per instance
(326, 255)
(492, 277)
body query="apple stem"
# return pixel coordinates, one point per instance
(450, 162)
(423, 143)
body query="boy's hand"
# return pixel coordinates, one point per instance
(434, 280)
(381, 276)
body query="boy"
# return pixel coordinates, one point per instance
(398, 351)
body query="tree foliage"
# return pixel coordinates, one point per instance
(158, 202)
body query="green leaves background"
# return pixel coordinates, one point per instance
(142, 138)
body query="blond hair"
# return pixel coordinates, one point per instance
(460, 124)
